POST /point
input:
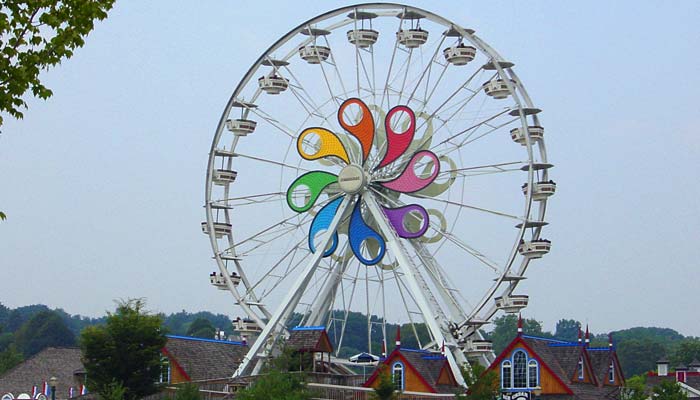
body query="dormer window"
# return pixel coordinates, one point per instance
(506, 374)
(520, 372)
(611, 372)
(397, 376)
(164, 370)
(580, 369)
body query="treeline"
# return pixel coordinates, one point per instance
(25, 331)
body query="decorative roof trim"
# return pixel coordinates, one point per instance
(309, 328)
(519, 340)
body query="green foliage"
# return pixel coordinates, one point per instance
(385, 389)
(113, 391)
(668, 390)
(36, 35)
(187, 391)
(505, 328)
(201, 328)
(634, 388)
(483, 384)
(567, 329)
(179, 323)
(43, 329)
(9, 358)
(277, 385)
(127, 349)
(2, 214)
(686, 351)
(638, 356)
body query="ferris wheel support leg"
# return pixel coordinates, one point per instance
(291, 299)
(323, 301)
(418, 292)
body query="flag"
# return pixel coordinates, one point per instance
(35, 391)
(46, 390)
(71, 392)
(83, 390)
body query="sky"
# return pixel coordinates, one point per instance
(103, 183)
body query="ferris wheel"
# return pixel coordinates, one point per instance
(383, 159)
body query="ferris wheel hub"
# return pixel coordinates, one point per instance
(352, 179)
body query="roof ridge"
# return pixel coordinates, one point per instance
(196, 339)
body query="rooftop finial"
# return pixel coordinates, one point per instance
(383, 348)
(398, 336)
(588, 336)
(580, 334)
(610, 341)
(520, 324)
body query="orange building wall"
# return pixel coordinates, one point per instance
(175, 375)
(548, 382)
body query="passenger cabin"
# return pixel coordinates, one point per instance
(412, 38)
(497, 88)
(558, 369)
(363, 38)
(273, 84)
(314, 54)
(219, 282)
(460, 54)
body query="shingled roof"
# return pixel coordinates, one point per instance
(61, 362)
(309, 339)
(561, 358)
(427, 364)
(201, 359)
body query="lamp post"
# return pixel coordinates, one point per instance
(52, 383)
(537, 391)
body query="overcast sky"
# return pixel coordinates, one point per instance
(103, 183)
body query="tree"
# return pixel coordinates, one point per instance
(638, 356)
(567, 329)
(187, 391)
(385, 389)
(483, 384)
(201, 328)
(44, 329)
(126, 350)
(36, 35)
(9, 358)
(276, 385)
(686, 351)
(635, 388)
(668, 390)
(506, 328)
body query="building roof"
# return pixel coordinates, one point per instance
(427, 364)
(309, 339)
(561, 359)
(61, 362)
(200, 359)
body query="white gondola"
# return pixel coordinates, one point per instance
(246, 326)
(224, 177)
(240, 126)
(220, 228)
(512, 304)
(496, 88)
(273, 84)
(219, 282)
(363, 38)
(475, 348)
(535, 249)
(313, 54)
(460, 54)
(541, 190)
(536, 134)
(412, 38)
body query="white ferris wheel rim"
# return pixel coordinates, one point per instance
(480, 312)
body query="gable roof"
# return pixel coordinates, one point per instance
(561, 359)
(62, 362)
(309, 339)
(199, 359)
(427, 366)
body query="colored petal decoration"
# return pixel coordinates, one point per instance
(363, 130)
(316, 181)
(408, 181)
(397, 142)
(328, 145)
(321, 223)
(396, 217)
(359, 232)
